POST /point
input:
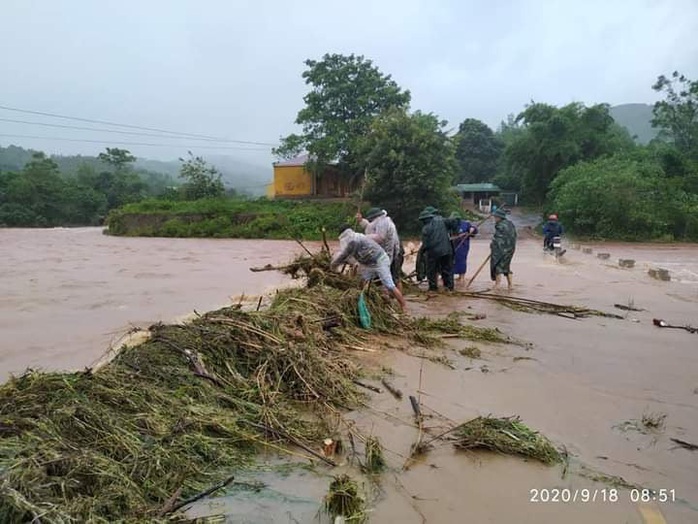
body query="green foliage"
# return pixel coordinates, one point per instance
(410, 163)
(623, 198)
(478, 151)
(555, 138)
(347, 93)
(202, 180)
(119, 159)
(677, 115)
(230, 218)
(38, 193)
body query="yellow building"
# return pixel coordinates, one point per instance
(293, 180)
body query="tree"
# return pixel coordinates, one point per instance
(119, 159)
(347, 93)
(411, 164)
(202, 180)
(555, 138)
(677, 114)
(478, 151)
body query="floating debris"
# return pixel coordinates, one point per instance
(508, 436)
(344, 500)
(374, 460)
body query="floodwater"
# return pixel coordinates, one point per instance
(67, 293)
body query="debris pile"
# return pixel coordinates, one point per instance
(170, 417)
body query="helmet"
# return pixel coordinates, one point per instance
(552, 217)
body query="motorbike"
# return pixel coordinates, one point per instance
(555, 248)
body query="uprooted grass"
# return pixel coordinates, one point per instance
(508, 436)
(344, 500)
(373, 455)
(180, 411)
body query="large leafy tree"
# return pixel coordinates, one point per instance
(478, 151)
(410, 164)
(555, 138)
(677, 114)
(347, 93)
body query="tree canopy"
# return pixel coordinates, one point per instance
(411, 164)
(478, 151)
(677, 115)
(347, 93)
(554, 138)
(202, 179)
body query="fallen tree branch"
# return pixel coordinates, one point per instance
(201, 495)
(684, 444)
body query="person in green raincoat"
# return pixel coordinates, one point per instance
(436, 245)
(502, 249)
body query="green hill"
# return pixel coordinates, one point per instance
(636, 118)
(242, 176)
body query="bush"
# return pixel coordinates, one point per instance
(230, 218)
(618, 198)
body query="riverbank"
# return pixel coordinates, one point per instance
(230, 218)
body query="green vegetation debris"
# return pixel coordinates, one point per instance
(373, 455)
(508, 436)
(344, 500)
(471, 352)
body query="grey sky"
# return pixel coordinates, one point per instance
(233, 68)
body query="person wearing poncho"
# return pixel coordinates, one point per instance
(381, 228)
(372, 259)
(502, 248)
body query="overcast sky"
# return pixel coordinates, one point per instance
(232, 68)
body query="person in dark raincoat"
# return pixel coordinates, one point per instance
(461, 245)
(502, 248)
(436, 246)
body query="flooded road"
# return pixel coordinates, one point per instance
(67, 294)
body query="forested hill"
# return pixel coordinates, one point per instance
(241, 176)
(637, 119)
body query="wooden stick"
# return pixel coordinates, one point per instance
(477, 226)
(415, 408)
(478, 271)
(367, 386)
(201, 495)
(393, 390)
(259, 303)
(293, 441)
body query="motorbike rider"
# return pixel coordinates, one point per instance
(552, 228)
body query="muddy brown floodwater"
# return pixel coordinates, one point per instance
(67, 293)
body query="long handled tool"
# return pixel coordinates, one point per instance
(467, 235)
(478, 271)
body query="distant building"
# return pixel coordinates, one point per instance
(473, 193)
(293, 180)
